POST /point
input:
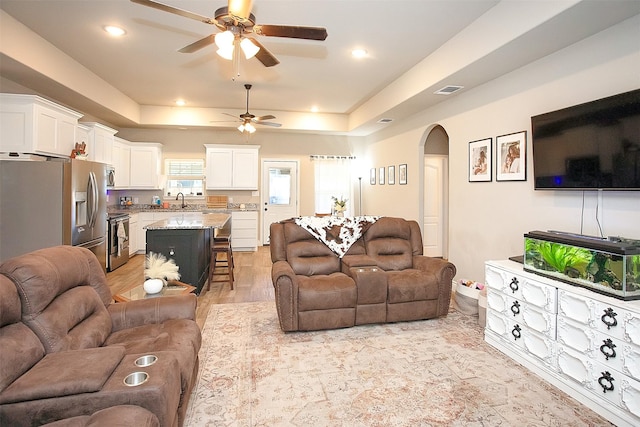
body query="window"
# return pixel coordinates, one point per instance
(332, 179)
(184, 176)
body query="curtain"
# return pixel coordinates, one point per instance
(332, 179)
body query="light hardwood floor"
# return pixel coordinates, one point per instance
(252, 274)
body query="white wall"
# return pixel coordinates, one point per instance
(488, 220)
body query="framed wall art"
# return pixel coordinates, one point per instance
(480, 160)
(372, 176)
(402, 174)
(391, 179)
(381, 176)
(511, 157)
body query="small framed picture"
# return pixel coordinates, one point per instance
(391, 179)
(511, 157)
(381, 176)
(402, 174)
(372, 176)
(480, 160)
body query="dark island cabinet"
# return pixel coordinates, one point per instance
(189, 248)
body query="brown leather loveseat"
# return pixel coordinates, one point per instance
(382, 277)
(66, 349)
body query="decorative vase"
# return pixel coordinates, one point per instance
(153, 286)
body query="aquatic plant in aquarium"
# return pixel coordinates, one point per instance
(615, 274)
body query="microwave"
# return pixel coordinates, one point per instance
(111, 176)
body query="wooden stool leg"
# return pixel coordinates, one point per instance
(230, 265)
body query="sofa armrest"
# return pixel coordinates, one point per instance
(349, 261)
(444, 271)
(130, 314)
(285, 284)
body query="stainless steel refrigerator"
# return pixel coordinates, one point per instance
(47, 202)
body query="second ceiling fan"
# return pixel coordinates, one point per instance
(247, 120)
(237, 23)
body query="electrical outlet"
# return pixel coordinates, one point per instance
(135, 200)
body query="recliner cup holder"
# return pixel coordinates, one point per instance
(147, 360)
(136, 378)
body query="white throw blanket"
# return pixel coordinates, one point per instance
(338, 233)
(121, 233)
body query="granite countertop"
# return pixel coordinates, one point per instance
(249, 207)
(191, 221)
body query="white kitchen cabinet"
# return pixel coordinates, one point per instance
(145, 165)
(582, 342)
(33, 125)
(121, 157)
(100, 142)
(82, 133)
(133, 233)
(232, 167)
(244, 230)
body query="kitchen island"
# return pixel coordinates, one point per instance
(186, 238)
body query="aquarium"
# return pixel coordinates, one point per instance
(608, 266)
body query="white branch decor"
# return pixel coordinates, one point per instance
(156, 266)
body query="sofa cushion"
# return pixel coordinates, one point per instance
(65, 373)
(311, 257)
(21, 348)
(389, 243)
(411, 285)
(335, 290)
(63, 296)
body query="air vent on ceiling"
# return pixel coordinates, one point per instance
(448, 90)
(383, 120)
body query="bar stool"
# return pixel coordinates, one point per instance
(221, 243)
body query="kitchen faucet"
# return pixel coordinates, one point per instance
(178, 195)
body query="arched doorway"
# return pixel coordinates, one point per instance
(435, 192)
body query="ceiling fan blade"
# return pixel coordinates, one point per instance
(232, 115)
(263, 55)
(175, 10)
(204, 42)
(267, 117)
(272, 124)
(294, 32)
(240, 9)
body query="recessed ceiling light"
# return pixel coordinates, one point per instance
(114, 31)
(180, 102)
(359, 53)
(314, 109)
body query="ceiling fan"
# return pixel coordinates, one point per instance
(237, 23)
(247, 120)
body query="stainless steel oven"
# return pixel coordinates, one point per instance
(118, 240)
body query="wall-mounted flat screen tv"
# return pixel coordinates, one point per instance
(590, 146)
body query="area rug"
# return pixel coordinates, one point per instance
(427, 373)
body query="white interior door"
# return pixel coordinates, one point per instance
(279, 193)
(435, 172)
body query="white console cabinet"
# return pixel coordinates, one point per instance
(582, 342)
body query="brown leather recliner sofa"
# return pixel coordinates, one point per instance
(66, 349)
(383, 277)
